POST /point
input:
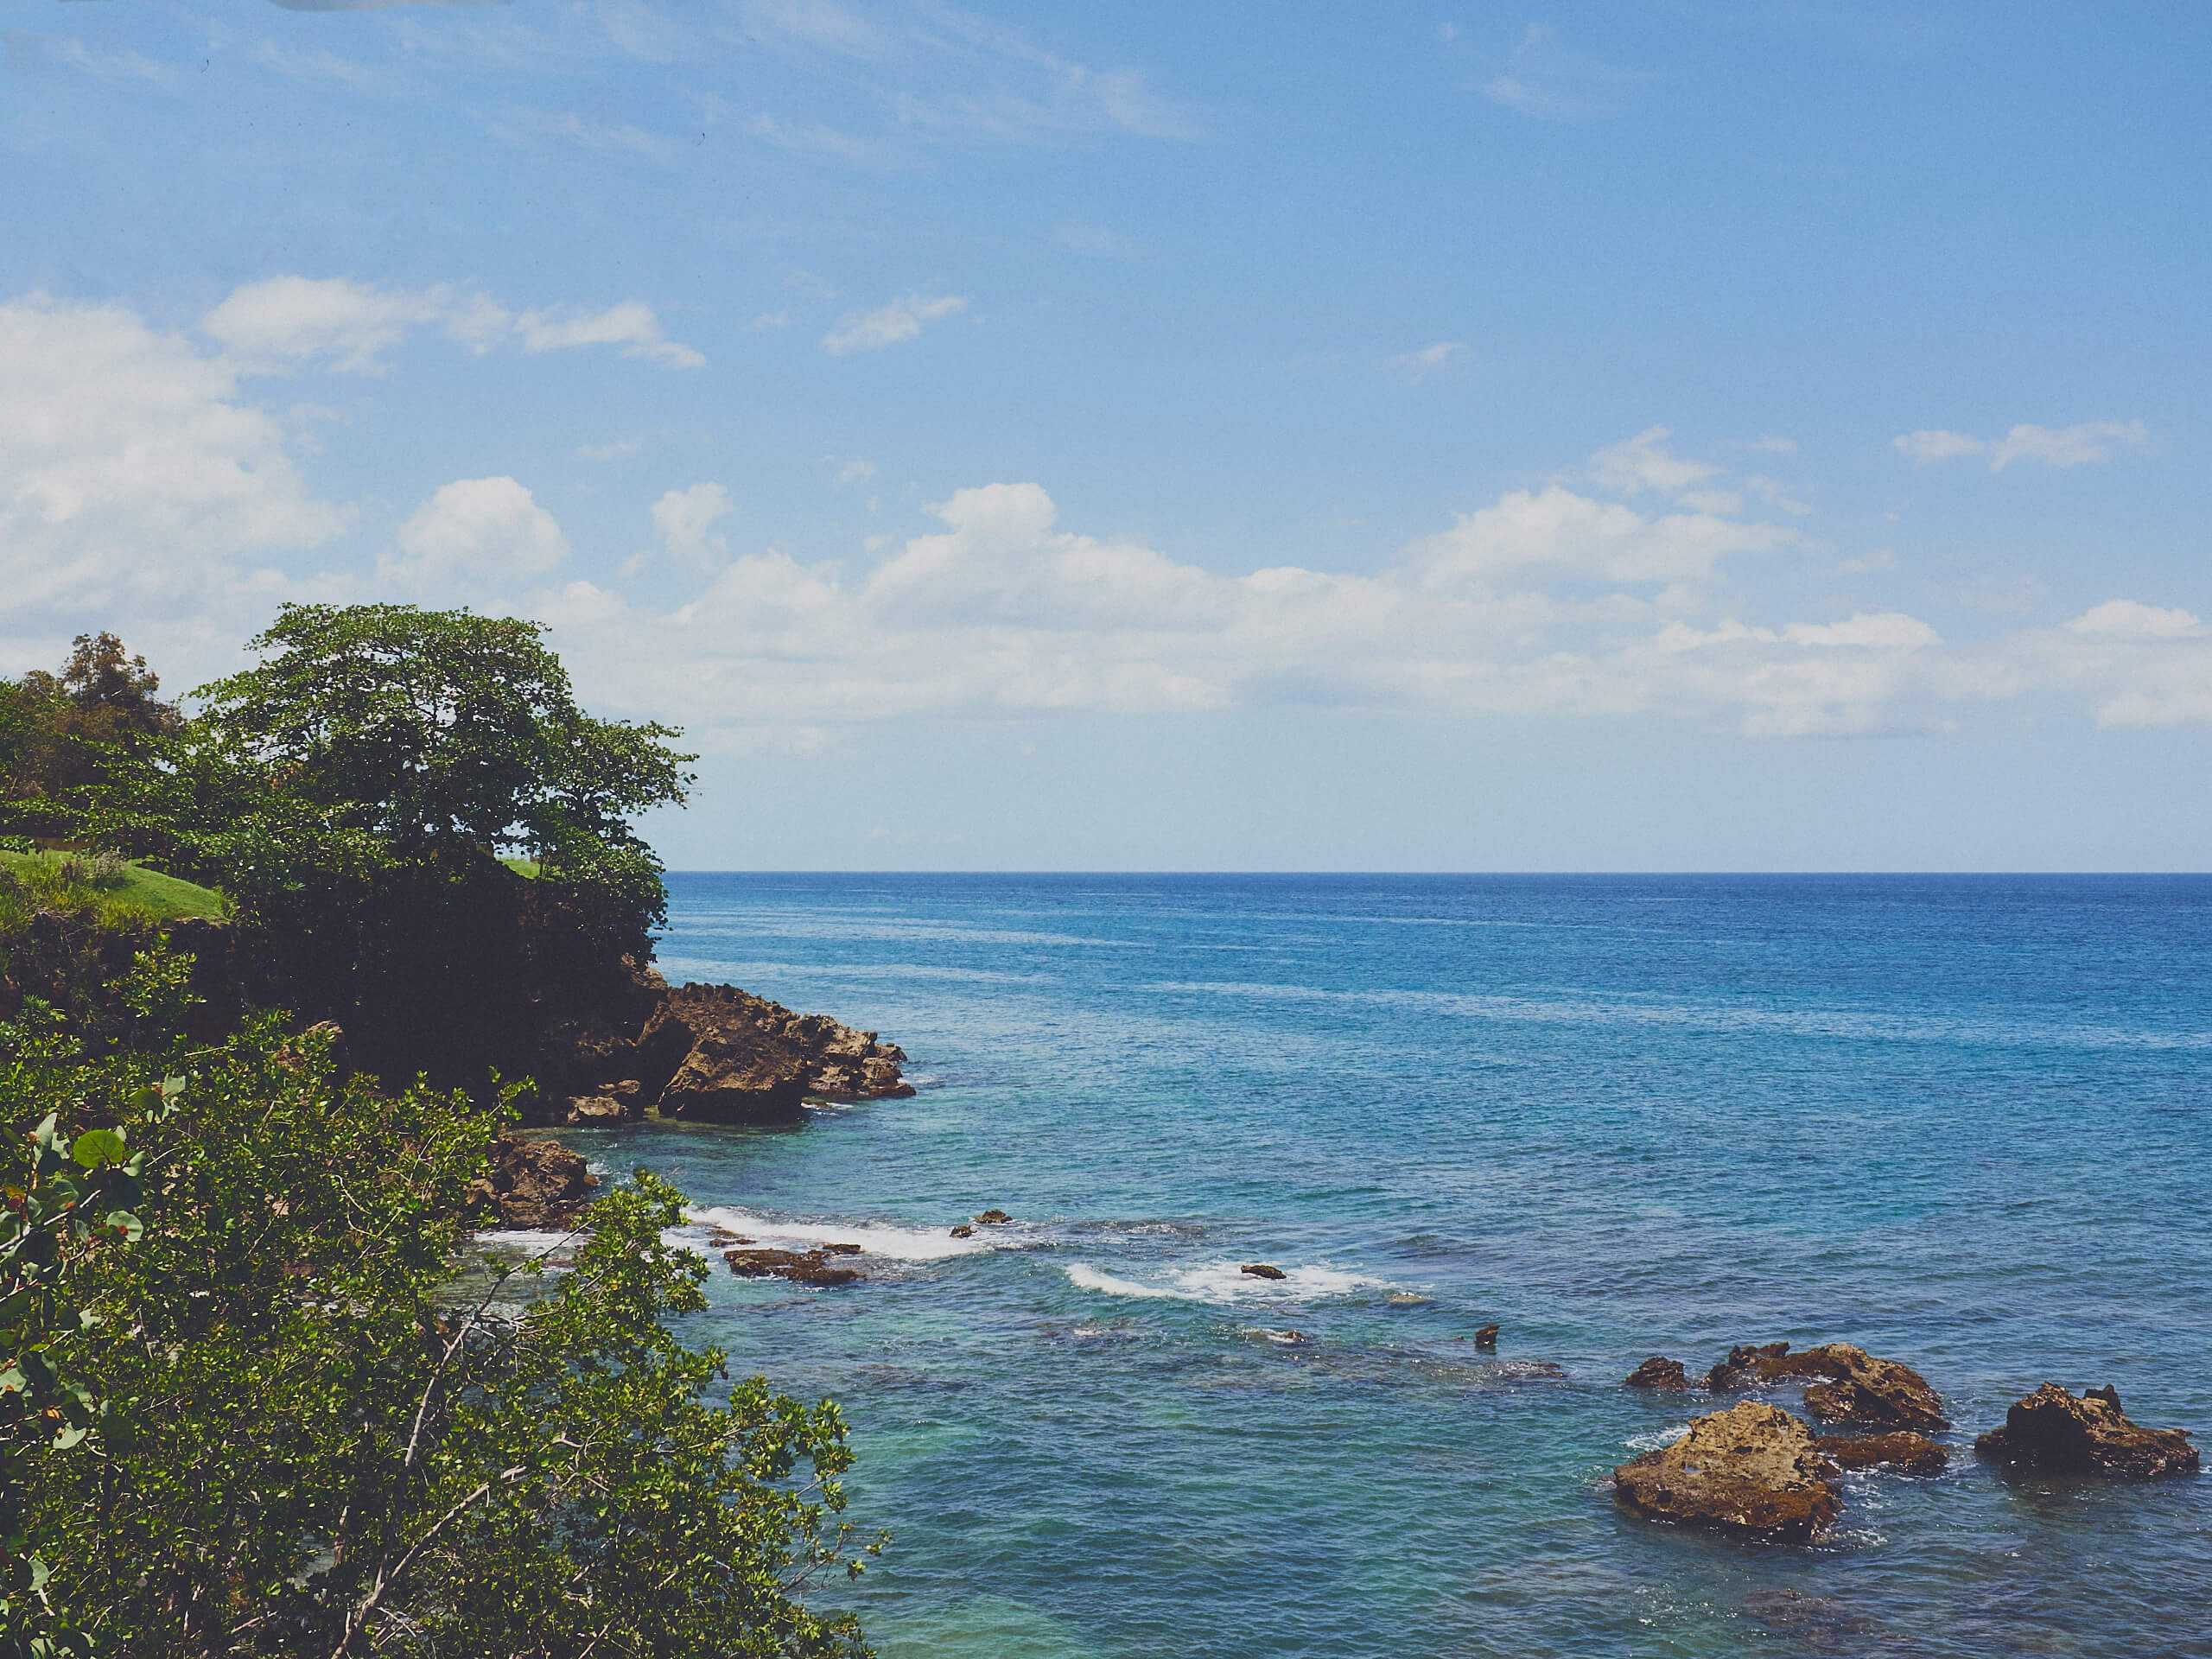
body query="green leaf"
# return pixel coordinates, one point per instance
(97, 1147)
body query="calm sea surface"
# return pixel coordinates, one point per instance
(1962, 1122)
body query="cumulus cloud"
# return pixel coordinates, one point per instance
(291, 322)
(475, 534)
(903, 319)
(131, 471)
(1558, 533)
(684, 518)
(2125, 619)
(2060, 447)
(1001, 608)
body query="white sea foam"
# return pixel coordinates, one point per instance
(1657, 1439)
(1225, 1282)
(875, 1238)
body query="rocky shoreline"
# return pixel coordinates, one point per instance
(705, 1053)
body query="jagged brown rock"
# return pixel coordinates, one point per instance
(1261, 1270)
(1847, 1383)
(994, 1218)
(2050, 1429)
(534, 1183)
(1751, 1471)
(1902, 1449)
(1658, 1372)
(800, 1267)
(712, 1053)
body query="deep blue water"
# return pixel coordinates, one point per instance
(1960, 1121)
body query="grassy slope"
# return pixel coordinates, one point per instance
(165, 898)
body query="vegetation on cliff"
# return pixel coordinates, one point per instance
(257, 1394)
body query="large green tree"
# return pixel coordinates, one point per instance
(357, 792)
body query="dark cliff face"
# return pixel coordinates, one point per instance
(603, 1041)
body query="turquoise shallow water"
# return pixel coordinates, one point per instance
(1960, 1121)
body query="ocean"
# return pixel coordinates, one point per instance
(1960, 1121)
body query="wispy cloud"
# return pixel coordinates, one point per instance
(2061, 447)
(292, 322)
(1413, 367)
(903, 319)
(1545, 79)
(622, 449)
(1093, 241)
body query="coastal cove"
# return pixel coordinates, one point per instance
(1954, 1120)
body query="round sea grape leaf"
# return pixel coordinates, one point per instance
(95, 1148)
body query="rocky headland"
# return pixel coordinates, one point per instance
(706, 1053)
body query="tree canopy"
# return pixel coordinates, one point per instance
(436, 729)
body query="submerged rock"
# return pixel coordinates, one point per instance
(1406, 1299)
(2050, 1429)
(533, 1183)
(963, 1231)
(993, 1218)
(800, 1267)
(1658, 1372)
(1262, 1270)
(1847, 1383)
(1751, 1471)
(1487, 1337)
(1903, 1450)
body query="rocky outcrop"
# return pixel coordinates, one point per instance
(1658, 1372)
(2052, 1430)
(710, 1053)
(1751, 1471)
(1902, 1450)
(813, 1268)
(532, 1183)
(1847, 1384)
(1261, 1270)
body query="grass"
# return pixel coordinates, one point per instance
(78, 880)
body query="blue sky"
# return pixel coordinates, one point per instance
(1600, 436)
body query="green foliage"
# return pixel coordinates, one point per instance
(65, 1202)
(306, 1439)
(355, 795)
(440, 732)
(59, 732)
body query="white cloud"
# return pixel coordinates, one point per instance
(291, 322)
(476, 534)
(621, 449)
(630, 325)
(2061, 447)
(1563, 534)
(130, 473)
(1644, 462)
(287, 322)
(888, 325)
(2125, 619)
(854, 472)
(1545, 79)
(1413, 367)
(683, 517)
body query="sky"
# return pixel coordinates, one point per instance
(1675, 436)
